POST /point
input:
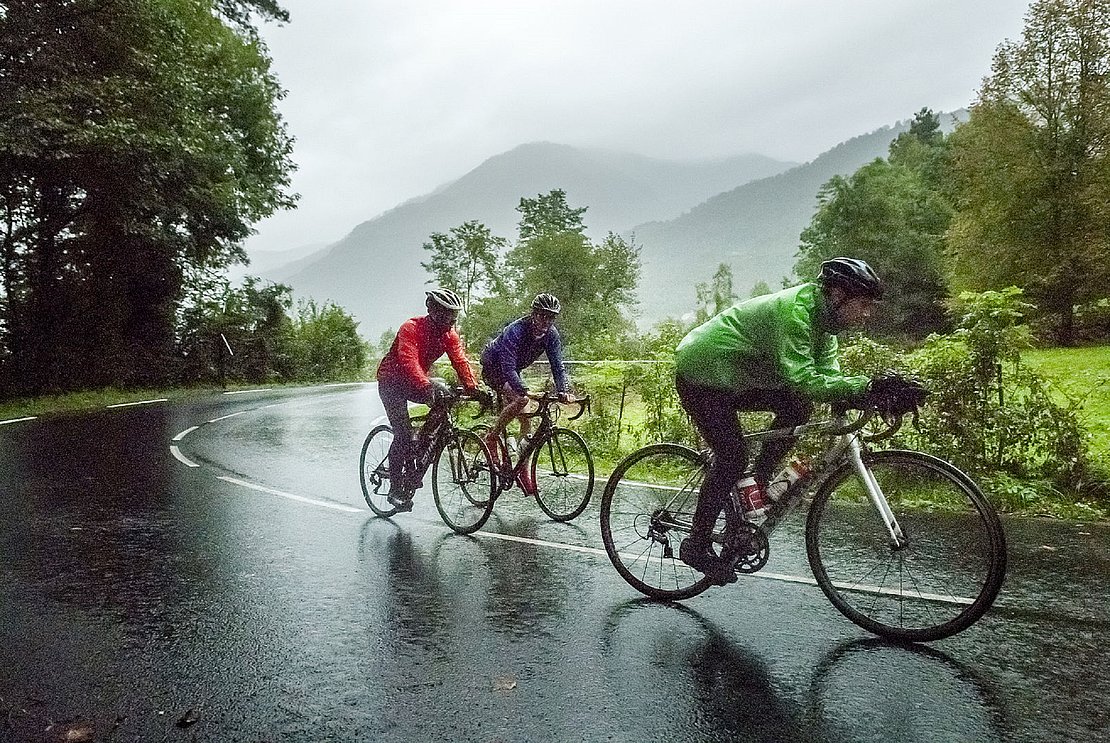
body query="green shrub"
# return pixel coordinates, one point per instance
(989, 413)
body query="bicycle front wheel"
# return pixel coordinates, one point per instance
(943, 576)
(563, 471)
(373, 470)
(463, 482)
(646, 511)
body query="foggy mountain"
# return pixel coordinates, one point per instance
(265, 262)
(687, 217)
(374, 272)
(754, 228)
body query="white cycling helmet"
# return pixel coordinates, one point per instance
(547, 303)
(444, 299)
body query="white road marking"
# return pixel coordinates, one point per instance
(181, 457)
(291, 496)
(140, 402)
(246, 392)
(542, 543)
(225, 417)
(185, 433)
(18, 420)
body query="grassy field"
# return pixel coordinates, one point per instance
(1083, 375)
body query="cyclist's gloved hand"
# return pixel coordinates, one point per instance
(485, 399)
(439, 391)
(564, 397)
(895, 394)
(858, 401)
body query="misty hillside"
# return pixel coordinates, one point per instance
(754, 228)
(265, 262)
(374, 272)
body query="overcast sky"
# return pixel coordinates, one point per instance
(388, 100)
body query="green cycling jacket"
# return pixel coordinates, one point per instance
(775, 341)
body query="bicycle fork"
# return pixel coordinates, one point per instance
(875, 493)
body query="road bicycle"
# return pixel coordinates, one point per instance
(556, 459)
(902, 543)
(463, 485)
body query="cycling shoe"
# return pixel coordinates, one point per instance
(701, 557)
(400, 501)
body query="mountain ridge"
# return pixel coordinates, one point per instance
(747, 211)
(374, 271)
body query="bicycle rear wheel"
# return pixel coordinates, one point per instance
(373, 470)
(940, 581)
(563, 472)
(646, 511)
(463, 482)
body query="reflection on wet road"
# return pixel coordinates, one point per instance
(254, 597)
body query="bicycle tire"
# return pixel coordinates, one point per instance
(646, 508)
(563, 470)
(502, 458)
(373, 470)
(463, 482)
(940, 583)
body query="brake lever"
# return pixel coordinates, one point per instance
(583, 406)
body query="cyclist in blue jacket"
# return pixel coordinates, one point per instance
(517, 347)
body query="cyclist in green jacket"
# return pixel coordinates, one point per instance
(775, 353)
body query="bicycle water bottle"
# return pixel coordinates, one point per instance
(752, 498)
(792, 473)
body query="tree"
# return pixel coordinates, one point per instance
(466, 260)
(759, 289)
(715, 295)
(137, 138)
(549, 214)
(1032, 169)
(239, 12)
(893, 214)
(251, 319)
(325, 343)
(595, 283)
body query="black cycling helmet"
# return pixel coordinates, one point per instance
(547, 303)
(852, 275)
(443, 298)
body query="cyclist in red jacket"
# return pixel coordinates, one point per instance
(403, 376)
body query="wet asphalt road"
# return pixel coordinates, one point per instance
(254, 597)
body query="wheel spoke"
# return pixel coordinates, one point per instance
(563, 472)
(463, 483)
(940, 581)
(639, 524)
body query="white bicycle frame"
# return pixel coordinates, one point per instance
(849, 446)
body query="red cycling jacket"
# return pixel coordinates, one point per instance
(417, 345)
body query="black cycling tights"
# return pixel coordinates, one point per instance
(395, 399)
(714, 413)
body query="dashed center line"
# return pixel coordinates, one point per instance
(225, 417)
(181, 457)
(184, 433)
(139, 402)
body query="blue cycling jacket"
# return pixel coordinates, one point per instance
(516, 348)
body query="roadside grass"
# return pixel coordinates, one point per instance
(80, 402)
(1082, 377)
